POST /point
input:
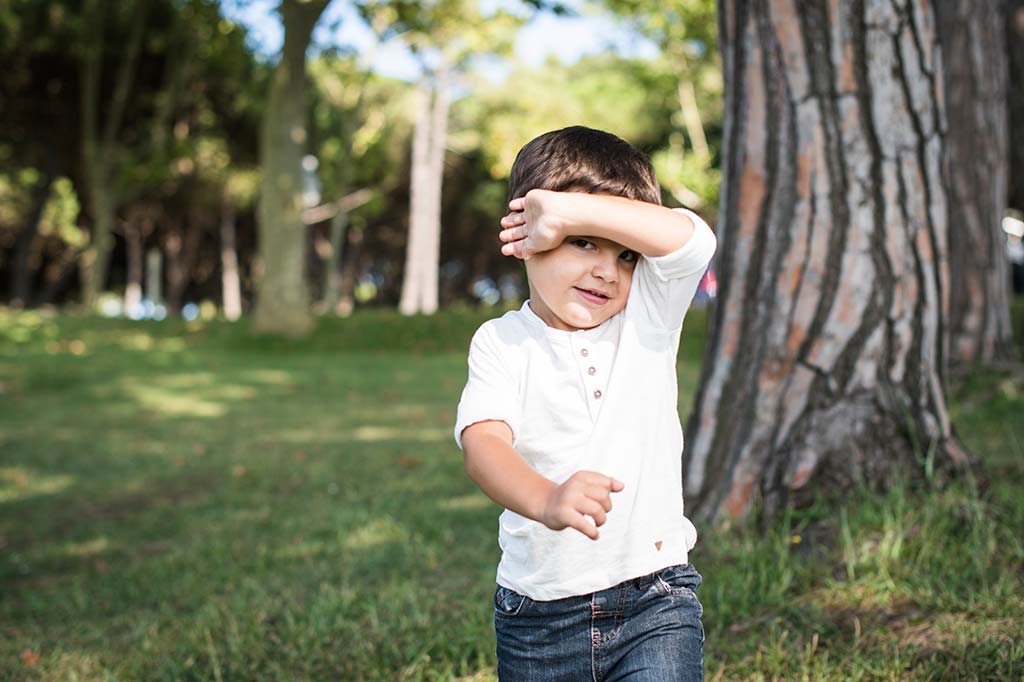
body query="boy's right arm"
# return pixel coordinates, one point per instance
(504, 476)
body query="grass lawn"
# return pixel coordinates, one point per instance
(187, 502)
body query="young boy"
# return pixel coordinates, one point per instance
(569, 420)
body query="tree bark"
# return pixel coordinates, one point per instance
(1015, 50)
(825, 366)
(974, 66)
(283, 299)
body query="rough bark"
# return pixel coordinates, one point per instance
(826, 356)
(971, 33)
(283, 299)
(430, 134)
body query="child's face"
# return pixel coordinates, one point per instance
(561, 278)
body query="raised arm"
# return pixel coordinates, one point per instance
(542, 219)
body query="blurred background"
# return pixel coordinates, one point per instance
(133, 157)
(244, 245)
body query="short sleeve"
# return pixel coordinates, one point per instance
(491, 391)
(664, 286)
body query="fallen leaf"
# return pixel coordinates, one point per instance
(29, 658)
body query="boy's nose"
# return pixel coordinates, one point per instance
(606, 270)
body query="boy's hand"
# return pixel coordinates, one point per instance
(532, 226)
(585, 492)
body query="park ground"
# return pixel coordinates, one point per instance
(188, 501)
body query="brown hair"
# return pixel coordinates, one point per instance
(580, 159)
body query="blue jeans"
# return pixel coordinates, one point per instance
(646, 629)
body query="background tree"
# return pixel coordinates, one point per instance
(974, 68)
(825, 365)
(1015, 93)
(684, 31)
(283, 302)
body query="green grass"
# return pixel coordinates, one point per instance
(190, 502)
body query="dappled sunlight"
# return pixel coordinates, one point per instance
(267, 376)
(191, 394)
(376, 532)
(145, 342)
(86, 548)
(172, 403)
(371, 434)
(363, 434)
(471, 501)
(19, 483)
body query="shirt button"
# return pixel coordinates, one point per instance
(584, 352)
(591, 371)
(597, 393)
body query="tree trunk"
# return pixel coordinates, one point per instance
(1015, 49)
(231, 296)
(332, 281)
(415, 250)
(430, 139)
(283, 299)
(974, 66)
(21, 271)
(826, 357)
(133, 286)
(99, 148)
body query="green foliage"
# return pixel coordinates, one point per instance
(631, 98)
(60, 214)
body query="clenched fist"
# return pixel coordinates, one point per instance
(584, 493)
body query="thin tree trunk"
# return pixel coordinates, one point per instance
(691, 117)
(825, 365)
(415, 250)
(98, 149)
(974, 65)
(332, 285)
(21, 272)
(283, 299)
(133, 286)
(230, 287)
(432, 208)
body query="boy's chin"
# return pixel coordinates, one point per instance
(585, 319)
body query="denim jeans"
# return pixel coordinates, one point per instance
(646, 629)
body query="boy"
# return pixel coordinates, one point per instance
(571, 401)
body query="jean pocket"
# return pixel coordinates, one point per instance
(679, 580)
(508, 602)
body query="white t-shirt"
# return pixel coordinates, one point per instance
(601, 399)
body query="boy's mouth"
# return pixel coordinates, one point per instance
(593, 295)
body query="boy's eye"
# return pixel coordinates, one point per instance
(582, 243)
(628, 256)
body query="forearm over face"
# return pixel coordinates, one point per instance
(504, 476)
(649, 229)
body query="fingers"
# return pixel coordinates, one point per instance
(517, 204)
(512, 234)
(593, 508)
(514, 219)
